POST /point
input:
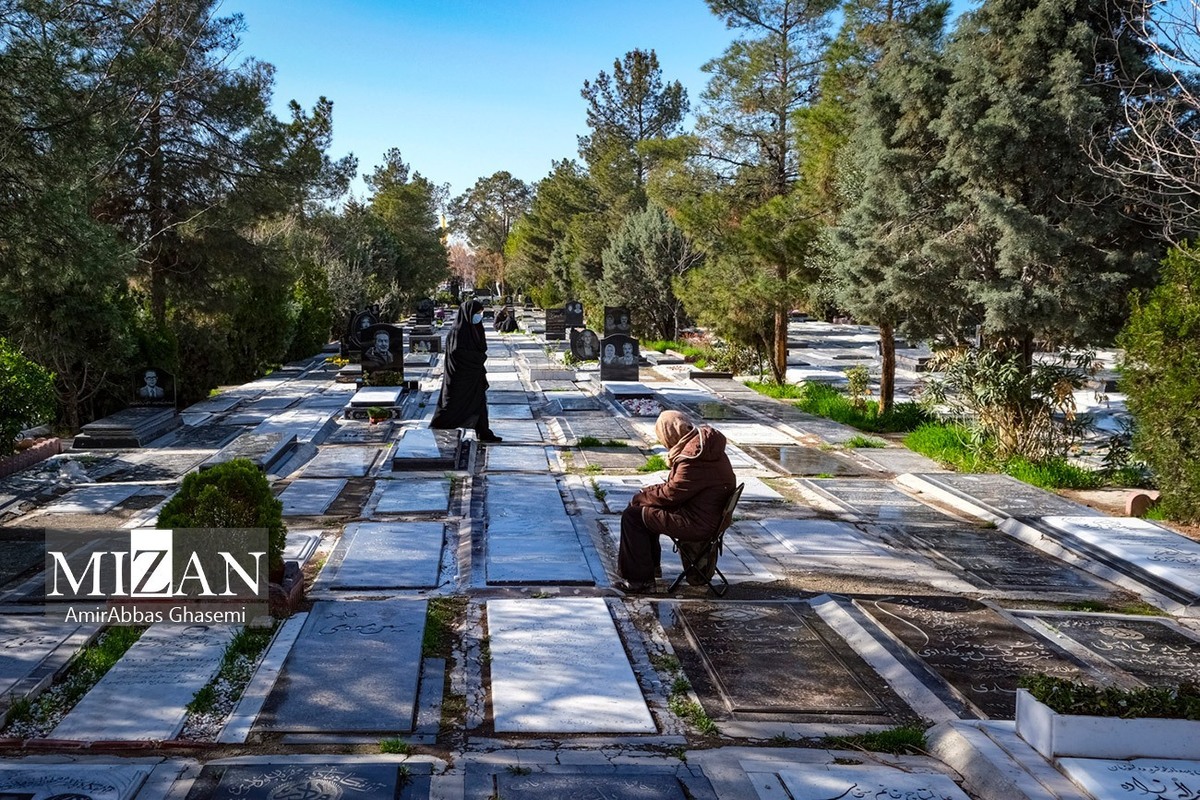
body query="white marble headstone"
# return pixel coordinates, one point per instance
(838, 781)
(1139, 779)
(72, 781)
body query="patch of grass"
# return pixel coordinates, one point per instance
(599, 493)
(693, 712)
(1074, 697)
(826, 401)
(593, 469)
(864, 441)
(780, 391)
(454, 710)
(665, 663)
(485, 650)
(234, 673)
(395, 747)
(782, 740)
(592, 441)
(655, 463)
(442, 616)
(949, 445)
(1133, 607)
(681, 685)
(679, 753)
(1053, 473)
(899, 741)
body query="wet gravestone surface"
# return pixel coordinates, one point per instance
(71, 781)
(800, 460)
(809, 672)
(354, 668)
(876, 501)
(1139, 779)
(1154, 652)
(714, 410)
(331, 780)
(973, 648)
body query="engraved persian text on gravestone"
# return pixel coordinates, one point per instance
(970, 646)
(736, 640)
(1153, 652)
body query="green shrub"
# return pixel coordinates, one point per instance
(230, 495)
(1053, 473)
(1073, 697)
(950, 445)
(26, 395)
(1161, 375)
(823, 400)
(655, 463)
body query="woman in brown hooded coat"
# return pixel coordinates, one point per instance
(688, 506)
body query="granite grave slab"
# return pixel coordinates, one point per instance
(735, 640)
(1153, 651)
(585, 786)
(517, 458)
(972, 647)
(1138, 779)
(830, 781)
(1150, 553)
(356, 432)
(151, 684)
(876, 501)
(800, 460)
(72, 781)
(520, 553)
(414, 496)
(341, 462)
(390, 555)
(25, 643)
(264, 450)
(509, 411)
(130, 428)
(307, 497)
(212, 436)
(714, 410)
(558, 666)
(426, 449)
(751, 433)
(333, 779)
(382, 396)
(98, 499)
(627, 459)
(601, 426)
(823, 538)
(515, 431)
(353, 669)
(300, 545)
(990, 496)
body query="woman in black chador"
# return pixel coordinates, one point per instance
(463, 403)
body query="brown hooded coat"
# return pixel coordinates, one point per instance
(690, 503)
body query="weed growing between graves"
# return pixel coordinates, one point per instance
(655, 463)
(679, 701)
(859, 440)
(1074, 697)
(517, 769)
(1132, 607)
(27, 719)
(213, 703)
(599, 493)
(443, 616)
(700, 356)
(826, 401)
(903, 740)
(593, 469)
(395, 747)
(592, 441)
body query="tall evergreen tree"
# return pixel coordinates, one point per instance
(486, 213)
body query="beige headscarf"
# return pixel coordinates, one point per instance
(674, 430)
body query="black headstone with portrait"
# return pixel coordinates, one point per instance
(359, 322)
(616, 320)
(425, 344)
(556, 328)
(424, 315)
(619, 358)
(383, 349)
(585, 344)
(574, 311)
(153, 387)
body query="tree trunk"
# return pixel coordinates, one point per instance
(887, 368)
(779, 362)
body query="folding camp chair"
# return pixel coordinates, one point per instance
(696, 555)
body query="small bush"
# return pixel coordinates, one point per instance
(230, 495)
(655, 463)
(26, 395)
(1053, 473)
(1072, 697)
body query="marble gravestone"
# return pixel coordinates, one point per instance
(353, 669)
(829, 781)
(263, 450)
(332, 779)
(72, 781)
(573, 314)
(619, 358)
(389, 555)
(1138, 779)
(1153, 651)
(542, 786)
(585, 345)
(556, 326)
(26, 643)
(806, 675)
(383, 349)
(973, 648)
(616, 321)
(425, 344)
(153, 386)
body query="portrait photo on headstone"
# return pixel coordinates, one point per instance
(153, 386)
(616, 320)
(574, 314)
(383, 348)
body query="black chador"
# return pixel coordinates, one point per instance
(463, 403)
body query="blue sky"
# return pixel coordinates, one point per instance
(466, 87)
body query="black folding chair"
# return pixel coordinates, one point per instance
(696, 556)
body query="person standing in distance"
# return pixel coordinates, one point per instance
(463, 402)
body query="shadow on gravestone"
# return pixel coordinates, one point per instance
(573, 312)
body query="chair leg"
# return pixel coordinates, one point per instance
(724, 583)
